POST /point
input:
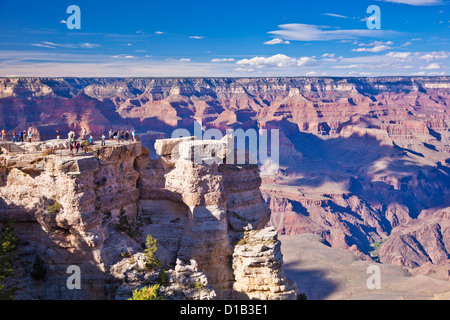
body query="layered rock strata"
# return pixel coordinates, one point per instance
(95, 209)
(359, 157)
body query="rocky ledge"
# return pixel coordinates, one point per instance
(95, 210)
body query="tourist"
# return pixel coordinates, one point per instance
(3, 134)
(21, 136)
(91, 140)
(30, 134)
(110, 134)
(14, 139)
(103, 140)
(58, 134)
(77, 146)
(71, 147)
(133, 134)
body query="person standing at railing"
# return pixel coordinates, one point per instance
(103, 140)
(71, 147)
(30, 134)
(3, 134)
(21, 136)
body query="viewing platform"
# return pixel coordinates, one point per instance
(58, 147)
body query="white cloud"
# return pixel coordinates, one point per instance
(375, 43)
(433, 66)
(42, 45)
(308, 32)
(278, 60)
(159, 32)
(244, 69)
(335, 15)
(196, 37)
(123, 56)
(222, 60)
(417, 2)
(436, 73)
(277, 41)
(378, 48)
(330, 57)
(180, 60)
(349, 66)
(53, 45)
(406, 44)
(435, 55)
(63, 21)
(398, 55)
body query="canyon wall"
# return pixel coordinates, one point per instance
(359, 157)
(94, 210)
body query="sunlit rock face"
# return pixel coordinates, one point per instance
(70, 210)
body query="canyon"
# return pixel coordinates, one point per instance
(94, 210)
(363, 162)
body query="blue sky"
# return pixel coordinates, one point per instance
(224, 38)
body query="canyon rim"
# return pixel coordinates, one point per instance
(364, 164)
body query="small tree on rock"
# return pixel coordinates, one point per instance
(151, 245)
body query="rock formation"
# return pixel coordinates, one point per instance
(422, 244)
(359, 157)
(95, 209)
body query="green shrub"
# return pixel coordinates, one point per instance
(151, 245)
(376, 246)
(38, 271)
(8, 241)
(147, 293)
(55, 207)
(132, 229)
(47, 152)
(302, 296)
(162, 277)
(127, 255)
(199, 285)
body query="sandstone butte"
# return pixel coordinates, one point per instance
(209, 221)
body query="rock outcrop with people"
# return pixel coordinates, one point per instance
(95, 211)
